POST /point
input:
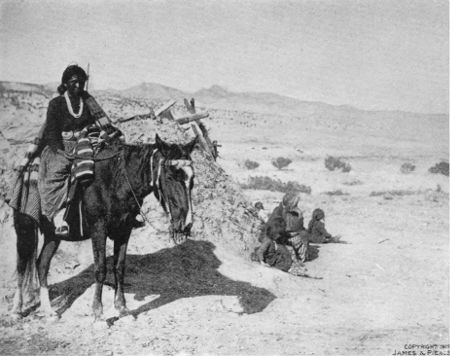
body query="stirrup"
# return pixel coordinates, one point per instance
(62, 231)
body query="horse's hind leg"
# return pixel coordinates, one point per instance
(120, 252)
(51, 244)
(27, 240)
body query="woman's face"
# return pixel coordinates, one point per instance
(75, 86)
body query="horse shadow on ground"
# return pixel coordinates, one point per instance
(183, 271)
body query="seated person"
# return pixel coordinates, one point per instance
(295, 234)
(316, 229)
(260, 211)
(271, 253)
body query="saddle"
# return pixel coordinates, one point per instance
(92, 145)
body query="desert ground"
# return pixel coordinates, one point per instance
(384, 290)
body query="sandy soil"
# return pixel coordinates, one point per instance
(386, 287)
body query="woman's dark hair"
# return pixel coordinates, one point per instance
(68, 73)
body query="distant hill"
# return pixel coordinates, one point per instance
(220, 98)
(153, 91)
(259, 102)
(25, 87)
(268, 103)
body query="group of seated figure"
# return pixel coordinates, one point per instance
(284, 239)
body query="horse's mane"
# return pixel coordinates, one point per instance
(139, 154)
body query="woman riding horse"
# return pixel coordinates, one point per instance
(110, 202)
(67, 115)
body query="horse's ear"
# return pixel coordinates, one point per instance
(161, 145)
(189, 147)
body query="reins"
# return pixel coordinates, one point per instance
(141, 213)
(151, 184)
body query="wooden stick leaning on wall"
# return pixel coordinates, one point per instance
(189, 118)
(157, 112)
(190, 106)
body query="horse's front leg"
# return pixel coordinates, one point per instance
(27, 240)
(120, 252)
(98, 236)
(51, 244)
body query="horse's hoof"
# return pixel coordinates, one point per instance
(98, 315)
(100, 323)
(124, 312)
(53, 318)
(16, 316)
(50, 315)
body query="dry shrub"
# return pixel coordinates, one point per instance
(353, 182)
(407, 168)
(281, 162)
(332, 163)
(394, 192)
(436, 195)
(274, 185)
(336, 192)
(250, 164)
(441, 167)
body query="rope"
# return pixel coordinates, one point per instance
(137, 202)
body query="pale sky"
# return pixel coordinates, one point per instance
(370, 54)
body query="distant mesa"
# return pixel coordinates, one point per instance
(153, 91)
(25, 87)
(214, 91)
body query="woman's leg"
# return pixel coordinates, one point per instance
(53, 183)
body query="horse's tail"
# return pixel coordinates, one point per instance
(27, 245)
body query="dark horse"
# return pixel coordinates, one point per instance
(110, 205)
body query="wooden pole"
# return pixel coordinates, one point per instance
(165, 107)
(158, 112)
(87, 81)
(201, 139)
(194, 117)
(190, 106)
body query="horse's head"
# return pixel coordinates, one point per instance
(174, 186)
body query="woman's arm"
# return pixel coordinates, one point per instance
(263, 248)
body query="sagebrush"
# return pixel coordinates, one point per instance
(281, 162)
(336, 192)
(407, 168)
(395, 192)
(441, 167)
(274, 185)
(251, 164)
(332, 163)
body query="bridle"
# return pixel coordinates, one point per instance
(155, 181)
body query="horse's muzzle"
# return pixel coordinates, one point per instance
(179, 233)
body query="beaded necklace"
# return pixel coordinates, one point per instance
(69, 106)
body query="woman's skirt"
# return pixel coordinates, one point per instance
(54, 176)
